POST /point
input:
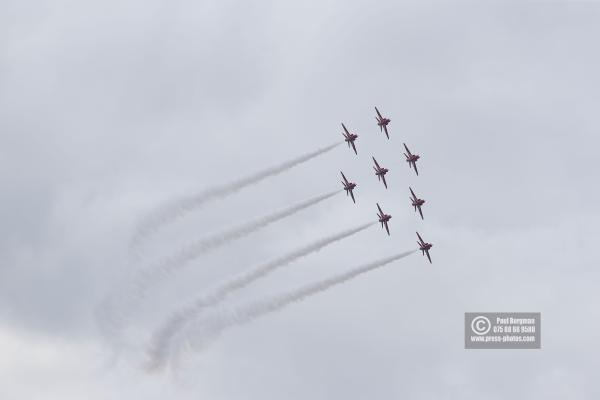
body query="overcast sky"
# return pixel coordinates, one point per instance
(108, 109)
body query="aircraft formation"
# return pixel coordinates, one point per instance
(417, 203)
(118, 309)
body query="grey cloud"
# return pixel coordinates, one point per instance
(109, 109)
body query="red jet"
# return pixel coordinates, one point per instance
(350, 138)
(382, 122)
(424, 247)
(416, 202)
(380, 172)
(348, 187)
(411, 159)
(384, 218)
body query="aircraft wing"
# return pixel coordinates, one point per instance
(407, 150)
(379, 209)
(387, 228)
(378, 113)
(420, 212)
(420, 238)
(354, 147)
(411, 191)
(352, 195)
(416, 170)
(346, 180)
(344, 126)
(386, 132)
(384, 182)
(427, 252)
(375, 161)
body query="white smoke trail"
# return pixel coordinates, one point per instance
(118, 307)
(194, 250)
(160, 345)
(210, 329)
(180, 207)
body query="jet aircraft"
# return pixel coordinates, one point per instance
(348, 186)
(416, 202)
(350, 138)
(411, 159)
(380, 172)
(382, 122)
(424, 247)
(383, 219)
